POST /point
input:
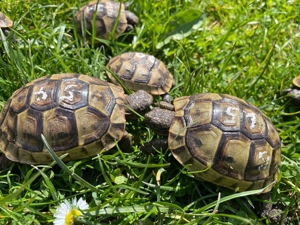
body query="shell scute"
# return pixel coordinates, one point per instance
(60, 76)
(232, 155)
(272, 135)
(200, 113)
(91, 124)
(43, 96)
(226, 115)
(260, 161)
(20, 101)
(127, 71)
(253, 124)
(29, 126)
(73, 94)
(102, 101)
(203, 143)
(9, 126)
(60, 130)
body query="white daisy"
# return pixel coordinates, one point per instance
(66, 212)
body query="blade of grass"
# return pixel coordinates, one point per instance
(65, 168)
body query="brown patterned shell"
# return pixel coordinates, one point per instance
(107, 12)
(140, 71)
(5, 22)
(230, 142)
(78, 114)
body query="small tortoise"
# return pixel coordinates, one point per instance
(78, 114)
(5, 24)
(295, 90)
(140, 71)
(102, 16)
(224, 139)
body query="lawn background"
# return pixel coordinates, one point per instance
(249, 49)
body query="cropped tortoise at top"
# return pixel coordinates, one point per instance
(222, 138)
(78, 114)
(101, 17)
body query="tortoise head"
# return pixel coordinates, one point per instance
(159, 120)
(138, 101)
(131, 18)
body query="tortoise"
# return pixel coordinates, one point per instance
(224, 139)
(5, 24)
(78, 114)
(107, 14)
(140, 71)
(295, 90)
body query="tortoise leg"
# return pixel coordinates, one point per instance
(166, 97)
(156, 144)
(159, 120)
(274, 212)
(126, 142)
(164, 105)
(4, 162)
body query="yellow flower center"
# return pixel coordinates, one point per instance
(70, 216)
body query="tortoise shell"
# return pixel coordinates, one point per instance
(78, 114)
(107, 12)
(226, 140)
(296, 81)
(140, 71)
(5, 22)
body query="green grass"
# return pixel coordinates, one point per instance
(249, 49)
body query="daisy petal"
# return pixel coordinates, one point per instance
(66, 212)
(82, 204)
